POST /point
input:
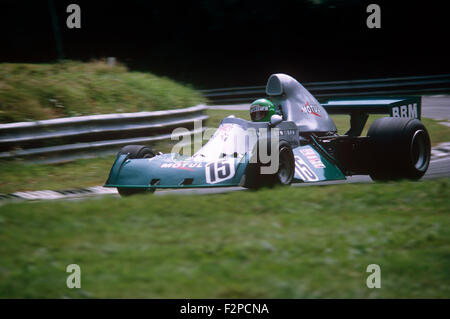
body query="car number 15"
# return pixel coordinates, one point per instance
(304, 171)
(220, 171)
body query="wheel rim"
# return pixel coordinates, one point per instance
(284, 169)
(419, 153)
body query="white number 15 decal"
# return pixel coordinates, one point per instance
(216, 172)
(304, 171)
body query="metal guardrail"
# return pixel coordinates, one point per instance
(64, 139)
(323, 91)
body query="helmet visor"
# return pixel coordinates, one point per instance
(258, 115)
(258, 112)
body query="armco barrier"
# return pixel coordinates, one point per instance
(64, 139)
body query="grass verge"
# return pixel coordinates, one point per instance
(297, 242)
(18, 175)
(43, 91)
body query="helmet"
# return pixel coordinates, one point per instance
(261, 110)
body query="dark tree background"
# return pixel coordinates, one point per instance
(234, 42)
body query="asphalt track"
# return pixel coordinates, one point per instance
(435, 107)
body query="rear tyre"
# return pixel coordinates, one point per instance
(400, 149)
(135, 151)
(284, 175)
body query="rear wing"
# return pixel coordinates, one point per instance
(360, 109)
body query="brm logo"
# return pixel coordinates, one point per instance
(409, 110)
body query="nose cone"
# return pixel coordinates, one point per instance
(164, 172)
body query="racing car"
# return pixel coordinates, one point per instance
(308, 148)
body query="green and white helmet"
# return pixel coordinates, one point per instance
(262, 110)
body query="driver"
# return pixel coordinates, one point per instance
(261, 110)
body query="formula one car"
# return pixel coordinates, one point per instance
(307, 149)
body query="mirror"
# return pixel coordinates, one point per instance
(275, 119)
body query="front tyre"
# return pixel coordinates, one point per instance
(400, 149)
(284, 175)
(286, 165)
(135, 151)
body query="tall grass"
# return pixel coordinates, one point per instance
(43, 91)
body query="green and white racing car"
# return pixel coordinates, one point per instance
(291, 138)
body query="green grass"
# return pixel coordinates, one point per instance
(24, 176)
(298, 242)
(21, 176)
(43, 91)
